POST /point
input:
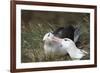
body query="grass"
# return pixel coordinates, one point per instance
(34, 25)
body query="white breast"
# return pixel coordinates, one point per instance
(54, 48)
(74, 52)
(52, 45)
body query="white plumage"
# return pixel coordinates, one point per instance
(74, 52)
(60, 46)
(52, 45)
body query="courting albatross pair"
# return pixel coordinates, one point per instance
(61, 42)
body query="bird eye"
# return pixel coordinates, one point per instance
(65, 39)
(48, 35)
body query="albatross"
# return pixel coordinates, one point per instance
(74, 52)
(52, 44)
(62, 46)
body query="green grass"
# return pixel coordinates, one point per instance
(34, 25)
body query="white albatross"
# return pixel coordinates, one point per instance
(74, 52)
(60, 46)
(52, 45)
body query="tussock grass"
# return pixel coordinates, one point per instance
(34, 25)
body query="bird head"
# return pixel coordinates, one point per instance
(49, 37)
(66, 42)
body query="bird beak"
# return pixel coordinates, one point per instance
(56, 39)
